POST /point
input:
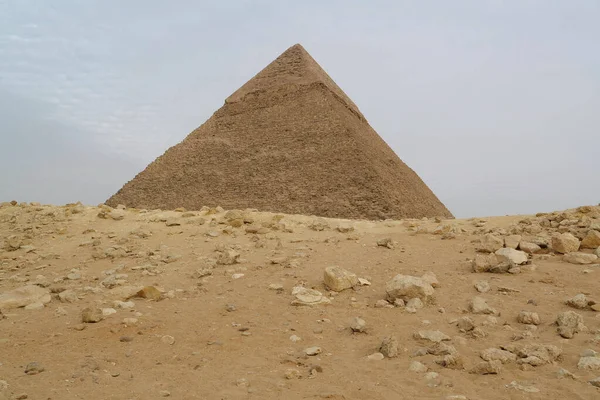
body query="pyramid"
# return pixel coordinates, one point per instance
(290, 141)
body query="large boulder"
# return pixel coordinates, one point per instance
(490, 243)
(408, 287)
(24, 296)
(338, 279)
(508, 254)
(591, 240)
(580, 258)
(565, 243)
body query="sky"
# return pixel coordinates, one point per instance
(494, 103)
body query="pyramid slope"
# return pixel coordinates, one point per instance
(288, 141)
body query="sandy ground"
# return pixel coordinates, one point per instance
(220, 331)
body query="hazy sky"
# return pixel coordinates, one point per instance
(495, 104)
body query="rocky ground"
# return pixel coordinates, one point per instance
(102, 303)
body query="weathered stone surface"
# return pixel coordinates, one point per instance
(478, 305)
(534, 354)
(493, 354)
(484, 262)
(490, 243)
(579, 301)
(482, 286)
(24, 296)
(418, 367)
(358, 325)
(432, 336)
(338, 279)
(150, 293)
(591, 240)
(591, 363)
(529, 318)
(406, 287)
(389, 347)
(92, 315)
(487, 368)
(569, 323)
(512, 241)
(465, 324)
(308, 297)
(565, 243)
(580, 258)
(431, 278)
(507, 254)
(529, 248)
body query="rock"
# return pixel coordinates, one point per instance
(91, 315)
(168, 339)
(413, 304)
(345, 228)
(68, 296)
(452, 361)
(563, 373)
(595, 382)
(24, 296)
(384, 304)
(389, 347)
(512, 241)
(465, 324)
(12, 243)
(511, 255)
(432, 336)
(295, 338)
(441, 349)
(580, 258)
(529, 248)
(565, 243)
(308, 297)
(319, 224)
(228, 257)
(108, 311)
(313, 351)
(478, 305)
(591, 363)
(525, 387)
(292, 373)
(116, 214)
(487, 368)
(34, 368)
(338, 279)
(569, 323)
(385, 242)
(430, 278)
(406, 287)
(482, 286)
(490, 243)
(529, 318)
(579, 301)
(376, 357)
(534, 354)
(358, 325)
(591, 241)
(150, 293)
(484, 262)
(418, 367)
(493, 354)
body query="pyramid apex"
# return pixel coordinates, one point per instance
(295, 66)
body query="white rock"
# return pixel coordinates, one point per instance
(529, 318)
(565, 243)
(432, 336)
(490, 243)
(509, 254)
(478, 305)
(407, 287)
(579, 301)
(529, 248)
(24, 296)
(512, 241)
(482, 286)
(308, 297)
(569, 323)
(418, 367)
(338, 279)
(590, 363)
(580, 258)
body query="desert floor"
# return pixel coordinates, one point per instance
(219, 320)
